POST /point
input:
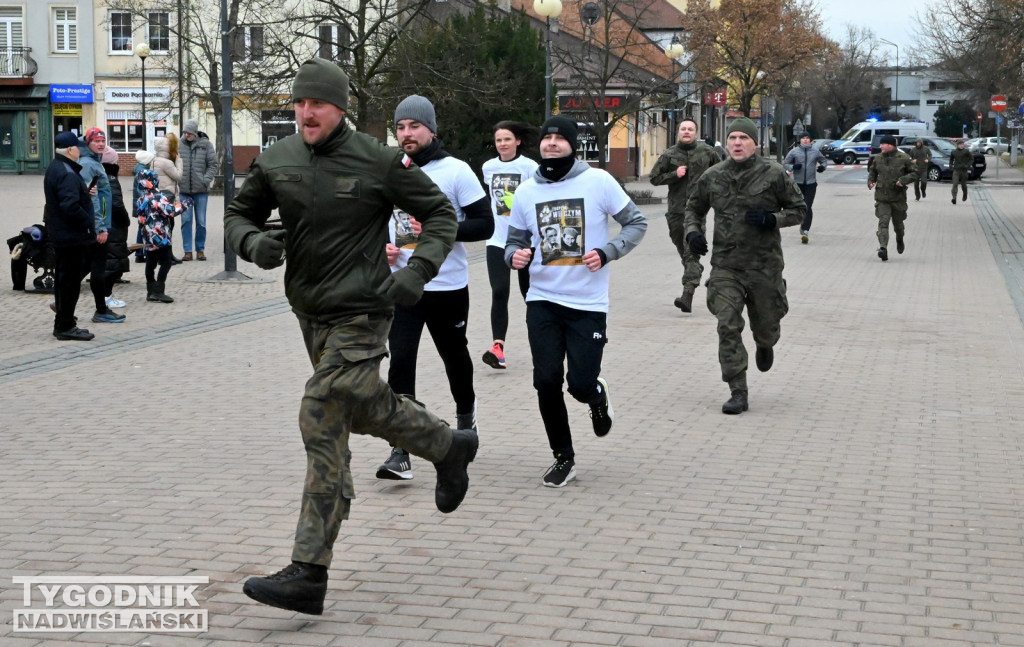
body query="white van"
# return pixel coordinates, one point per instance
(855, 144)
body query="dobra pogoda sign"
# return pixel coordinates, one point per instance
(610, 102)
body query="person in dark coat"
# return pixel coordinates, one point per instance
(117, 239)
(71, 228)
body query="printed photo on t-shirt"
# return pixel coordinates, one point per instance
(560, 223)
(405, 237)
(503, 187)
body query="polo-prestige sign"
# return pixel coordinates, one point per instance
(133, 94)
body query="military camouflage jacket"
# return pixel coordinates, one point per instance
(734, 188)
(697, 158)
(921, 157)
(961, 159)
(888, 169)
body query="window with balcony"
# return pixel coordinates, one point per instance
(159, 32)
(12, 42)
(65, 30)
(121, 32)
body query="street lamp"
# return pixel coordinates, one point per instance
(550, 10)
(142, 51)
(896, 90)
(674, 51)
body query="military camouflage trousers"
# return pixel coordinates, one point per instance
(763, 293)
(890, 211)
(346, 395)
(960, 180)
(692, 268)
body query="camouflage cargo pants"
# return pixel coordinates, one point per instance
(960, 180)
(886, 212)
(346, 395)
(763, 293)
(692, 268)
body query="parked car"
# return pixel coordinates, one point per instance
(941, 148)
(991, 145)
(818, 143)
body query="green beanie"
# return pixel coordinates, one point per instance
(744, 126)
(321, 79)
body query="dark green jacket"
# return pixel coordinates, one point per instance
(697, 158)
(961, 159)
(889, 168)
(335, 200)
(921, 156)
(732, 189)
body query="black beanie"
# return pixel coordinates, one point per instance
(563, 126)
(887, 139)
(321, 79)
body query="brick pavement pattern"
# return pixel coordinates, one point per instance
(871, 495)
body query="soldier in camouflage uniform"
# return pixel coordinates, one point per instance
(752, 199)
(680, 167)
(962, 160)
(890, 175)
(921, 155)
(335, 190)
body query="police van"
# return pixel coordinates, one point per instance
(855, 144)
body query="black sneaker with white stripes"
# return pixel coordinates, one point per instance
(397, 467)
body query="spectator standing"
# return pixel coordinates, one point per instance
(891, 173)
(92, 147)
(804, 163)
(143, 160)
(502, 176)
(680, 166)
(168, 166)
(156, 210)
(117, 241)
(71, 229)
(341, 290)
(922, 156)
(752, 199)
(567, 305)
(962, 161)
(198, 171)
(444, 306)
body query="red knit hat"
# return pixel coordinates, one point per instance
(93, 134)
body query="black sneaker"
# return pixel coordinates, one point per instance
(560, 473)
(601, 414)
(452, 474)
(736, 404)
(765, 357)
(900, 246)
(74, 334)
(954, 200)
(466, 420)
(883, 253)
(397, 467)
(297, 587)
(107, 317)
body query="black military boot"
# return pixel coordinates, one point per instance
(151, 291)
(452, 477)
(736, 404)
(764, 356)
(160, 296)
(298, 587)
(685, 302)
(899, 245)
(883, 253)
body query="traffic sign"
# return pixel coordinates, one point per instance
(1020, 110)
(1000, 121)
(979, 116)
(999, 102)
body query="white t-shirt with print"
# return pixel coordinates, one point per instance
(502, 179)
(566, 220)
(457, 181)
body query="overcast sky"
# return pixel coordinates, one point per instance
(889, 19)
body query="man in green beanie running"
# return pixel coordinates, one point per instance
(752, 198)
(335, 190)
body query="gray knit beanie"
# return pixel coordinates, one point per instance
(418, 109)
(191, 127)
(321, 79)
(744, 126)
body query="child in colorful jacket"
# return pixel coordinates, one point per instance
(156, 209)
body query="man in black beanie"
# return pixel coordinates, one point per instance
(891, 173)
(335, 190)
(567, 303)
(752, 199)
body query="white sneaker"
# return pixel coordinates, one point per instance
(115, 303)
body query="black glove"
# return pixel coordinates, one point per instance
(821, 168)
(763, 220)
(797, 166)
(266, 249)
(404, 287)
(698, 244)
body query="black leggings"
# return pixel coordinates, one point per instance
(498, 272)
(444, 313)
(162, 257)
(808, 191)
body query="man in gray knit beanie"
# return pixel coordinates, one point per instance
(418, 109)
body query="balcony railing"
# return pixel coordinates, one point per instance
(15, 62)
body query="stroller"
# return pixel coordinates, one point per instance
(31, 249)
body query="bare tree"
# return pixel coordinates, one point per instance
(844, 84)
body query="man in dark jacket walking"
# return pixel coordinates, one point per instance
(343, 293)
(199, 166)
(71, 229)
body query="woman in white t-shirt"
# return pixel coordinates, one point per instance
(502, 176)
